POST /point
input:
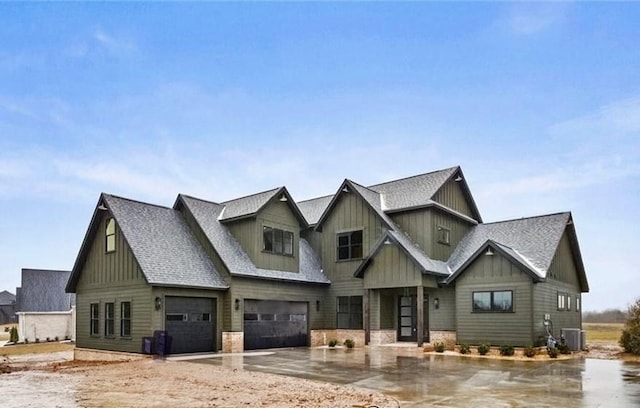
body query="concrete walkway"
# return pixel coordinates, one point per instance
(416, 379)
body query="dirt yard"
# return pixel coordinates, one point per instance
(158, 383)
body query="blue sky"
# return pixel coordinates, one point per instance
(538, 102)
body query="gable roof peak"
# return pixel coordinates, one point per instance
(450, 170)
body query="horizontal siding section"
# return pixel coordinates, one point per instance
(443, 318)
(141, 317)
(494, 273)
(546, 302)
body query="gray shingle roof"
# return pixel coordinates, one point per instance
(43, 291)
(234, 256)
(245, 206)
(413, 191)
(532, 240)
(7, 298)
(313, 209)
(166, 249)
(427, 264)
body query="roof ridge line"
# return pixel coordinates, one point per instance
(137, 201)
(199, 199)
(415, 176)
(525, 218)
(315, 198)
(250, 195)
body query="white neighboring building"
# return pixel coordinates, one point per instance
(44, 309)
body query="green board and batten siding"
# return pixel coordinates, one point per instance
(350, 213)
(494, 273)
(112, 277)
(452, 196)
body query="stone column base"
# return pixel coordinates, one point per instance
(232, 342)
(379, 337)
(448, 337)
(323, 337)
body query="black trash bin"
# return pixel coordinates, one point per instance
(161, 341)
(147, 345)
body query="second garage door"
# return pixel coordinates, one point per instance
(191, 324)
(272, 323)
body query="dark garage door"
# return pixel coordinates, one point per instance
(271, 323)
(191, 324)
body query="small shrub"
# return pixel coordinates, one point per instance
(48, 339)
(26, 341)
(530, 351)
(333, 343)
(483, 349)
(37, 340)
(506, 350)
(464, 348)
(348, 343)
(56, 338)
(13, 334)
(553, 352)
(439, 347)
(630, 338)
(563, 349)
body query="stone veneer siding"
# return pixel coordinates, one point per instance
(232, 342)
(322, 337)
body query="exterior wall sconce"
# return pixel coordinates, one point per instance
(317, 305)
(158, 303)
(237, 304)
(102, 207)
(489, 252)
(345, 189)
(458, 179)
(436, 303)
(387, 241)
(283, 198)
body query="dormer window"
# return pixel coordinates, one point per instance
(110, 235)
(349, 245)
(277, 241)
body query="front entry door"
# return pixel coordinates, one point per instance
(407, 330)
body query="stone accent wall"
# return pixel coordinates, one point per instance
(449, 338)
(232, 342)
(382, 337)
(322, 337)
(83, 354)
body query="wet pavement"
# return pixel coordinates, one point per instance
(416, 379)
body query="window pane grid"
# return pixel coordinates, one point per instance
(277, 241)
(349, 312)
(349, 245)
(494, 301)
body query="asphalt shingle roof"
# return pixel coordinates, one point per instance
(413, 191)
(164, 246)
(7, 298)
(313, 209)
(234, 256)
(533, 240)
(245, 206)
(44, 291)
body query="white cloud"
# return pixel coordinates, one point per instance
(117, 45)
(611, 121)
(530, 19)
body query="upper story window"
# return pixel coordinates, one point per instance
(277, 241)
(444, 235)
(110, 235)
(495, 301)
(349, 245)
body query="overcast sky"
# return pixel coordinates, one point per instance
(539, 104)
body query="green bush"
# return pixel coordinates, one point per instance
(553, 352)
(333, 343)
(439, 347)
(37, 340)
(13, 334)
(348, 343)
(483, 349)
(564, 349)
(464, 348)
(506, 350)
(630, 338)
(530, 351)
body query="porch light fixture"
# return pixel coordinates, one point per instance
(283, 198)
(387, 241)
(237, 304)
(458, 178)
(436, 303)
(345, 189)
(489, 252)
(101, 207)
(158, 303)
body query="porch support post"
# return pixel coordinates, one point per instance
(367, 316)
(420, 315)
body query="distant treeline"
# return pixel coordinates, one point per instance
(605, 316)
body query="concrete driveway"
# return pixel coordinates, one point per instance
(416, 379)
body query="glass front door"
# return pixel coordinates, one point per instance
(407, 330)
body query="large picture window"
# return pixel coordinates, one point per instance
(110, 235)
(94, 325)
(109, 319)
(350, 245)
(493, 301)
(125, 319)
(349, 312)
(277, 241)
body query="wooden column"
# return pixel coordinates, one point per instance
(420, 315)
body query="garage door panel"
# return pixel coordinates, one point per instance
(190, 322)
(271, 324)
